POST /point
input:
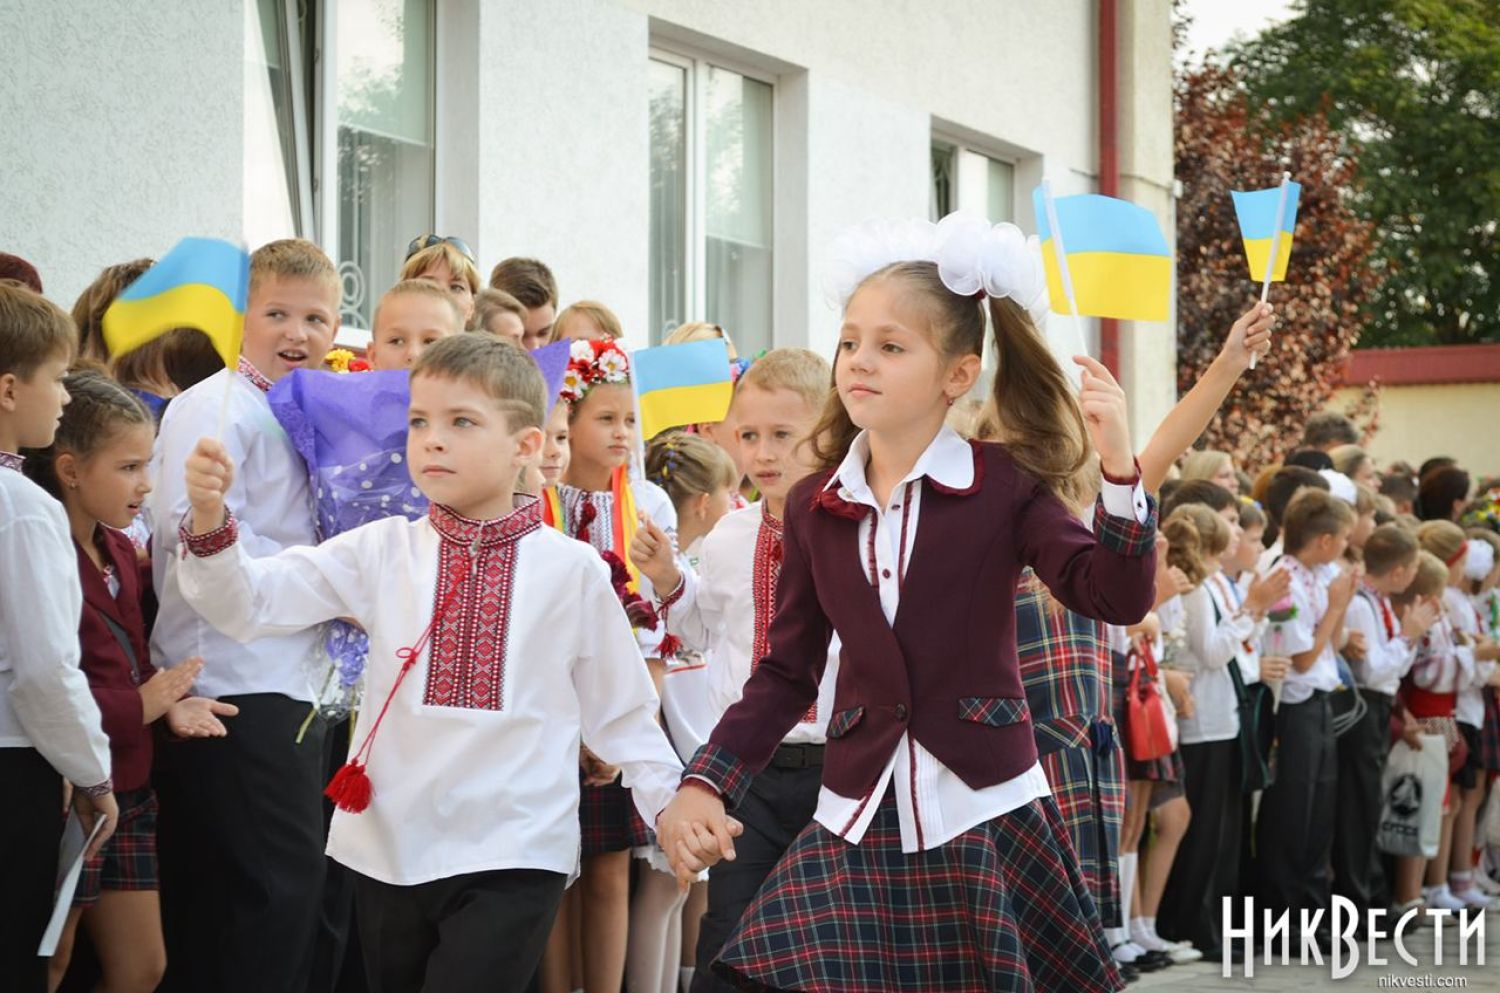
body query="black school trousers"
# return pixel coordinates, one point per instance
(30, 832)
(779, 804)
(477, 931)
(1294, 829)
(1207, 866)
(241, 850)
(1358, 873)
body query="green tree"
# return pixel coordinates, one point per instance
(1416, 84)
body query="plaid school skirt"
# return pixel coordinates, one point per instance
(608, 821)
(1001, 907)
(128, 860)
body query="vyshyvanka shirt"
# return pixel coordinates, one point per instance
(476, 764)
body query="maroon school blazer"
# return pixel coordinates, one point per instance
(104, 662)
(946, 671)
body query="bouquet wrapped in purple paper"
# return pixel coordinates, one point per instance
(351, 433)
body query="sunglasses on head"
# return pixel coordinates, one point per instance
(427, 241)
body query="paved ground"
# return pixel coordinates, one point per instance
(1395, 975)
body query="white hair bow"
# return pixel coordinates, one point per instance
(970, 253)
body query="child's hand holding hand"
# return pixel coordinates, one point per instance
(1103, 404)
(1355, 647)
(1250, 335)
(651, 551)
(1341, 590)
(695, 832)
(166, 687)
(198, 717)
(209, 473)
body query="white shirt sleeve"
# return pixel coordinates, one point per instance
(40, 609)
(617, 702)
(179, 436)
(1386, 661)
(1213, 644)
(298, 588)
(1124, 501)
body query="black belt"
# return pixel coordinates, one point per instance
(797, 757)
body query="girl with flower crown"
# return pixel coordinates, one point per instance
(937, 858)
(597, 503)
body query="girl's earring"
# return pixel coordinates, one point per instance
(950, 400)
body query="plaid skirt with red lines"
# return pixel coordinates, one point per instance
(1001, 907)
(608, 821)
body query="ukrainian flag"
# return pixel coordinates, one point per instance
(1258, 223)
(1117, 257)
(201, 283)
(682, 384)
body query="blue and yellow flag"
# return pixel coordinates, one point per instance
(1258, 223)
(1116, 254)
(201, 283)
(682, 384)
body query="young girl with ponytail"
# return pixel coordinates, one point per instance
(935, 829)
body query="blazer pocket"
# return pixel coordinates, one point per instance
(843, 721)
(996, 711)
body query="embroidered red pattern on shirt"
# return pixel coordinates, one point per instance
(466, 660)
(259, 381)
(763, 576)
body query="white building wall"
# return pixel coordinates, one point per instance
(542, 130)
(121, 130)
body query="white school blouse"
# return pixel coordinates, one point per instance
(948, 806)
(724, 608)
(271, 502)
(1388, 655)
(1465, 618)
(1212, 644)
(45, 702)
(476, 764)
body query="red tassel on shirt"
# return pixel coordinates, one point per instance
(350, 788)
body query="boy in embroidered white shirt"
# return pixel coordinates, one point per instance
(50, 727)
(471, 829)
(725, 610)
(1294, 830)
(243, 815)
(1390, 637)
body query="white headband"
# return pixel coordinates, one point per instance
(1480, 561)
(971, 256)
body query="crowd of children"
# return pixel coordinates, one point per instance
(851, 690)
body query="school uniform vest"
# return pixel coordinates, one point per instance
(946, 671)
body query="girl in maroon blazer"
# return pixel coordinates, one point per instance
(97, 468)
(937, 859)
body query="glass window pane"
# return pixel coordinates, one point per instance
(270, 148)
(737, 187)
(941, 201)
(1002, 191)
(385, 123)
(668, 263)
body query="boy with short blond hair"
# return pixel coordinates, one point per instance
(465, 827)
(1294, 829)
(50, 727)
(412, 315)
(724, 611)
(242, 816)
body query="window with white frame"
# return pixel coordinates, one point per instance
(339, 145)
(711, 199)
(963, 179)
